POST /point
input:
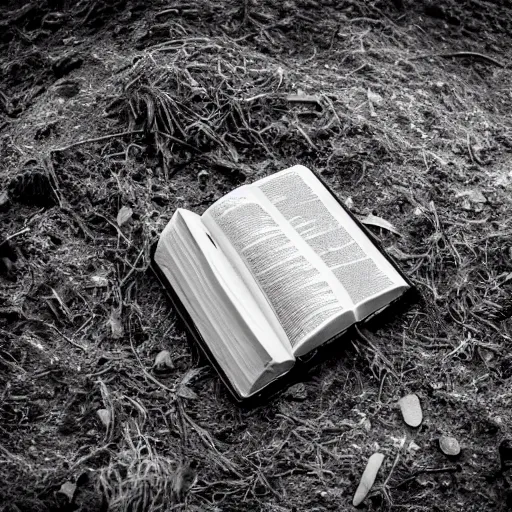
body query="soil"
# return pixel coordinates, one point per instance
(109, 105)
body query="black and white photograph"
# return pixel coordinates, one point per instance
(255, 255)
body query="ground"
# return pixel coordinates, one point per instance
(106, 105)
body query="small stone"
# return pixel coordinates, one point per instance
(163, 362)
(368, 478)
(5, 202)
(68, 489)
(411, 410)
(449, 446)
(297, 392)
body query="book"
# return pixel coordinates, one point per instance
(272, 272)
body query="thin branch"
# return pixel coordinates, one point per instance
(14, 235)
(69, 340)
(474, 55)
(96, 139)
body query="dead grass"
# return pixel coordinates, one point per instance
(423, 143)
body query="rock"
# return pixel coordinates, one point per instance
(411, 410)
(297, 392)
(124, 215)
(68, 489)
(449, 446)
(163, 362)
(368, 478)
(413, 447)
(5, 202)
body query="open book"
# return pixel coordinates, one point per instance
(272, 271)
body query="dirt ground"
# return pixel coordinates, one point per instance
(106, 104)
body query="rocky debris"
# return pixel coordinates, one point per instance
(449, 446)
(411, 410)
(163, 363)
(368, 478)
(297, 392)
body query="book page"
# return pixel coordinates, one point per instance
(369, 279)
(225, 312)
(276, 260)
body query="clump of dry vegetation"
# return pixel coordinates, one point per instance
(404, 113)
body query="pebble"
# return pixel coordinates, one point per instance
(368, 478)
(411, 410)
(297, 392)
(163, 362)
(449, 446)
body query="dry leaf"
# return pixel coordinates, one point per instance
(373, 220)
(349, 202)
(193, 372)
(411, 410)
(124, 215)
(104, 416)
(68, 489)
(368, 478)
(186, 392)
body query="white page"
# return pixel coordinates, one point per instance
(277, 265)
(369, 279)
(223, 309)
